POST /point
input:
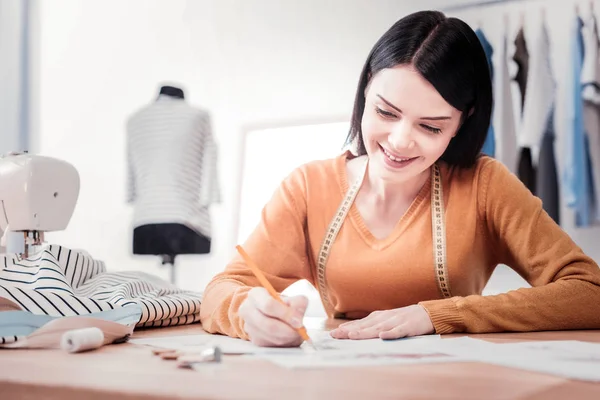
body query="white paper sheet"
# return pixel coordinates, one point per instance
(230, 345)
(193, 343)
(567, 350)
(325, 341)
(568, 359)
(350, 353)
(339, 358)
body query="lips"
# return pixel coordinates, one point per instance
(395, 157)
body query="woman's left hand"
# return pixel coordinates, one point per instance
(389, 324)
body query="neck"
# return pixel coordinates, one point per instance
(390, 192)
(172, 91)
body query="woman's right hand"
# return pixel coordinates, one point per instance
(269, 323)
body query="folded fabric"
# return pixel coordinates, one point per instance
(16, 324)
(60, 282)
(22, 329)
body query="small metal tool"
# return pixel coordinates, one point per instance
(211, 354)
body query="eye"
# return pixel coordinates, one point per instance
(432, 129)
(385, 114)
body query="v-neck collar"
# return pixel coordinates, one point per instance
(359, 222)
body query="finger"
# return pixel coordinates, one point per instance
(338, 334)
(362, 324)
(394, 333)
(298, 306)
(370, 332)
(367, 321)
(260, 337)
(351, 325)
(297, 303)
(264, 302)
(341, 332)
(373, 331)
(269, 330)
(350, 331)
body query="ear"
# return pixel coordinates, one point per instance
(463, 120)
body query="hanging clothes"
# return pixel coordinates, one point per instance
(540, 94)
(547, 187)
(537, 129)
(489, 147)
(525, 169)
(576, 173)
(590, 81)
(521, 58)
(504, 119)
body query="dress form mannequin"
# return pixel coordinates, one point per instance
(169, 143)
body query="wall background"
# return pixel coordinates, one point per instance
(251, 63)
(248, 62)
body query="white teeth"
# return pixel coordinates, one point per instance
(397, 159)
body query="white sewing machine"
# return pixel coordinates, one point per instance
(37, 194)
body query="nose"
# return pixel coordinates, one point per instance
(401, 135)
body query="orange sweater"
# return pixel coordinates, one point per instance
(491, 218)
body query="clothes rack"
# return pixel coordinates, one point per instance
(475, 4)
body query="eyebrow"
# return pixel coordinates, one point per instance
(399, 110)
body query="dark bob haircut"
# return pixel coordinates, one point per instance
(448, 54)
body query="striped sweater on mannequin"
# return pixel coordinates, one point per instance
(172, 165)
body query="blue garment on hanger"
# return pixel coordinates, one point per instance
(489, 147)
(576, 175)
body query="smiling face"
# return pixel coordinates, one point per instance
(406, 125)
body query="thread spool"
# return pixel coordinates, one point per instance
(79, 340)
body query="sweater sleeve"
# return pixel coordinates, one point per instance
(565, 282)
(278, 246)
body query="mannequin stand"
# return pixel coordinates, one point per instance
(169, 240)
(170, 260)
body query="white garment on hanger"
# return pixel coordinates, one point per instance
(590, 71)
(590, 80)
(506, 135)
(540, 93)
(172, 165)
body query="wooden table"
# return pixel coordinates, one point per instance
(129, 371)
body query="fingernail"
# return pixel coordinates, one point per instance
(295, 322)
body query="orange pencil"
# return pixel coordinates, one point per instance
(267, 285)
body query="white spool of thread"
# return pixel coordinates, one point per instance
(79, 340)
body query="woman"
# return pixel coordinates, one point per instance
(402, 238)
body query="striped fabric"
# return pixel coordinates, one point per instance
(60, 282)
(172, 165)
